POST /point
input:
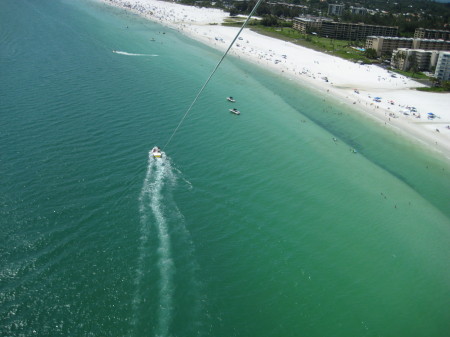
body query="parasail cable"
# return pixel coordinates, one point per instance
(211, 75)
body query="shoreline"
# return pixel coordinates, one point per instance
(351, 83)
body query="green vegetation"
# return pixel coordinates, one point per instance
(406, 14)
(371, 53)
(411, 74)
(234, 21)
(437, 86)
(434, 89)
(340, 48)
(442, 87)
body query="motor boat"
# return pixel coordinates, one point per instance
(235, 111)
(231, 99)
(156, 152)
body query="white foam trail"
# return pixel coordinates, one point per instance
(162, 222)
(165, 263)
(132, 54)
(150, 200)
(145, 233)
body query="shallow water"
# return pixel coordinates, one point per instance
(253, 225)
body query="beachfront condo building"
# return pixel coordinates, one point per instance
(421, 60)
(358, 10)
(443, 66)
(341, 30)
(309, 24)
(335, 9)
(422, 33)
(385, 45)
(355, 31)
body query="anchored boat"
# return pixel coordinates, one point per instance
(235, 111)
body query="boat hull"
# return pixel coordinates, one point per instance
(156, 152)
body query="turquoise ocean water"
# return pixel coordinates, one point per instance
(253, 225)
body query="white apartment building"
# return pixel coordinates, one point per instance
(405, 58)
(335, 9)
(443, 66)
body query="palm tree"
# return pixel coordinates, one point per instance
(412, 64)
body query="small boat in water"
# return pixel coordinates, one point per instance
(156, 152)
(235, 111)
(231, 99)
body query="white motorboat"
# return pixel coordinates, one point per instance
(231, 99)
(235, 111)
(156, 152)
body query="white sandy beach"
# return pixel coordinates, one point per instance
(334, 77)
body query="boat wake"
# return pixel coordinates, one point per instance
(164, 239)
(132, 54)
